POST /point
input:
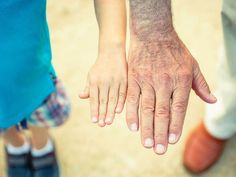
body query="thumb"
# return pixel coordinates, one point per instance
(200, 85)
(85, 94)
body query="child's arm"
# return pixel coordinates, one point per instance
(107, 79)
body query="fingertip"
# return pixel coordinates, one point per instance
(109, 121)
(209, 98)
(120, 104)
(94, 119)
(160, 149)
(133, 127)
(148, 143)
(119, 109)
(173, 138)
(213, 98)
(101, 123)
(84, 95)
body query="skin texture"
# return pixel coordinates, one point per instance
(39, 137)
(107, 86)
(14, 137)
(161, 74)
(107, 79)
(149, 17)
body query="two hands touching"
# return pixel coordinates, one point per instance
(157, 81)
(160, 77)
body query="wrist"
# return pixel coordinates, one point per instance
(113, 41)
(112, 44)
(150, 19)
(111, 50)
(167, 36)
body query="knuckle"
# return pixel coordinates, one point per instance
(112, 99)
(148, 98)
(148, 108)
(185, 79)
(162, 111)
(122, 95)
(179, 106)
(165, 78)
(103, 101)
(132, 99)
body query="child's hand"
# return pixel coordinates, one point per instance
(107, 85)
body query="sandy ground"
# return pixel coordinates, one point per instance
(88, 151)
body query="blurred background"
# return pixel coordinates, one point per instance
(84, 149)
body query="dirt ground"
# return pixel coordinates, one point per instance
(88, 151)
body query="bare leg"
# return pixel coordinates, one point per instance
(14, 137)
(39, 137)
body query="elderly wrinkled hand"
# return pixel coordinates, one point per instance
(161, 72)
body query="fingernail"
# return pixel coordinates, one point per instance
(160, 149)
(172, 138)
(94, 119)
(101, 122)
(148, 142)
(108, 120)
(118, 109)
(213, 97)
(133, 127)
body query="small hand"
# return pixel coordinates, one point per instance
(163, 72)
(107, 86)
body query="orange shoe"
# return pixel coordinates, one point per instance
(202, 150)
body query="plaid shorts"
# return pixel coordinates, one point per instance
(53, 112)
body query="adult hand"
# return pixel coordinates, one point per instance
(162, 72)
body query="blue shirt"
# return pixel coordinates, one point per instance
(25, 59)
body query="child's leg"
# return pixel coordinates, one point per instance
(17, 150)
(52, 113)
(15, 142)
(41, 142)
(14, 137)
(39, 137)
